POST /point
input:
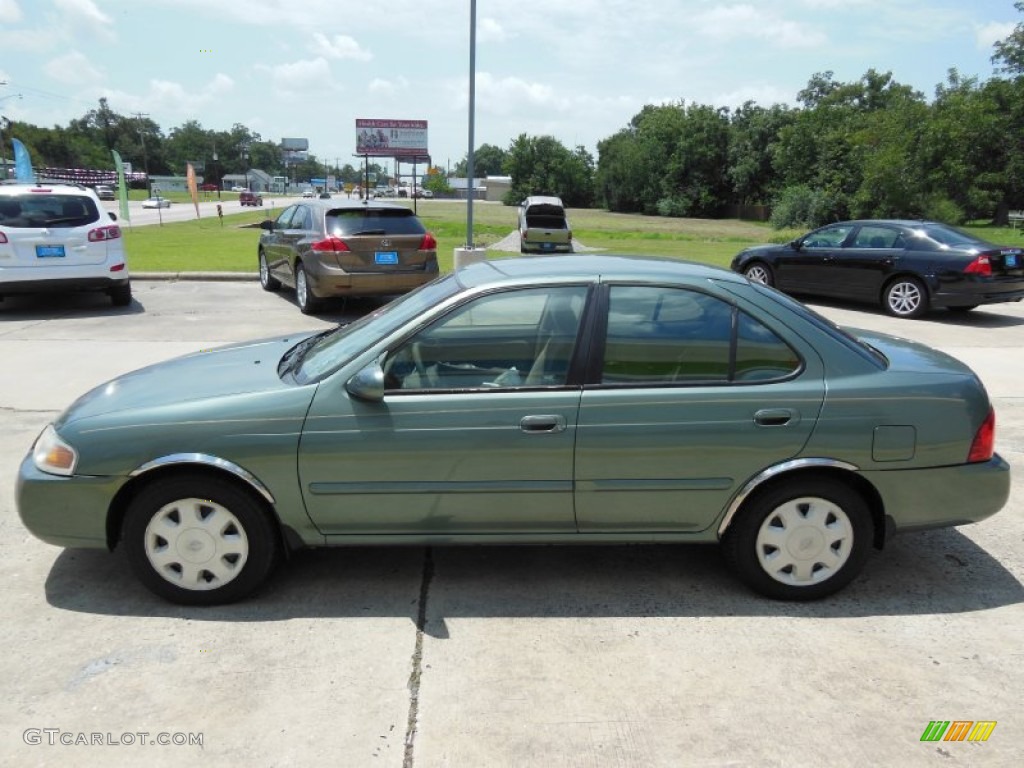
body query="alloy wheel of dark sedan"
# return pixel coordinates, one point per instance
(760, 273)
(905, 297)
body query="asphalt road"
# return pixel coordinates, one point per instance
(502, 656)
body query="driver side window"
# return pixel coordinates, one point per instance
(520, 338)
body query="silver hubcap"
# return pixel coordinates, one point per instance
(758, 274)
(196, 544)
(300, 287)
(904, 298)
(804, 541)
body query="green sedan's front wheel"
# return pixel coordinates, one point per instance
(800, 540)
(199, 540)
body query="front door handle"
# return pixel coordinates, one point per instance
(773, 417)
(542, 425)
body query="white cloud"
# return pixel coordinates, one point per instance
(73, 68)
(488, 30)
(988, 35)
(731, 22)
(762, 95)
(170, 102)
(338, 47)
(85, 9)
(387, 87)
(299, 76)
(10, 13)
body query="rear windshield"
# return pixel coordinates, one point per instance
(373, 221)
(951, 236)
(40, 210)
(542, 221)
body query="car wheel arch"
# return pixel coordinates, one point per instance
(192, 465)
(806, 470)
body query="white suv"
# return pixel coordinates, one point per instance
(58, 237)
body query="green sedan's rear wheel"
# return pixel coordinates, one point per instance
(308, 303)
(905, 297)
(800, 540)
(267, 281)
(199, 540)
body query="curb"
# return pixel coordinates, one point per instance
(229, 276)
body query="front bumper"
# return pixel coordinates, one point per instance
(65, 511)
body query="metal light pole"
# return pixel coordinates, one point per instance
(470, 170)
(245, 160)
(467, 254)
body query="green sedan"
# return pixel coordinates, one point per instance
(575, 400)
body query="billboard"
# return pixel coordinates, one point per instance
(295, 145)
(391, 138)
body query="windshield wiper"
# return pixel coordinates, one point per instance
(293, 357)
(369, 232)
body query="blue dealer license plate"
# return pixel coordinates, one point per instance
(1010, 260)
(386, 257)
(50, 251)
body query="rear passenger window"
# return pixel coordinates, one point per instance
(676, 336)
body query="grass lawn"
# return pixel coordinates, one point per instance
(205, 246)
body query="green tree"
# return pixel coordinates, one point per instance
(488, 160)
(541, 165)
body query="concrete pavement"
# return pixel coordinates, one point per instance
(502, 656)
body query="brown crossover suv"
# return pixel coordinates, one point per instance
(327, 248)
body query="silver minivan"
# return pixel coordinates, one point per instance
(543, 226)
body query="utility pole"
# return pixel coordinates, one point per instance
(140, 116)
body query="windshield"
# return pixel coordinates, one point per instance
(336, 349)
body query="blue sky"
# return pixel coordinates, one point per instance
(577, 70)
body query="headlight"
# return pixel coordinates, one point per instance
(53, 455)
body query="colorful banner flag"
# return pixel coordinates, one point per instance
(122, 187)
(22, 163)
(193, 190)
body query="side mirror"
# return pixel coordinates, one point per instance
(267, 224)
(797, 244)
(368, 384)
(112, 215)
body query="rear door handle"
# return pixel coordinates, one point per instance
(773, 417)
(542, 424)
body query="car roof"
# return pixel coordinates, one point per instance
(8, 188)
(543, 200)
(586, 266)
(335, 203)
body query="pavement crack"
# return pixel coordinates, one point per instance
(417, 659)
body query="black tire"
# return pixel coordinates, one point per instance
(267, 281)
(308, 303)
(121, 296)
(905, 297)
(226, 553)
(759, 272)
(831, 547)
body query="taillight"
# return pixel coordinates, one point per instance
(984, 441)
(117, 268)
(980, 266)
(3, 238)
(104, 233)
(334, 244)
(428, 243)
